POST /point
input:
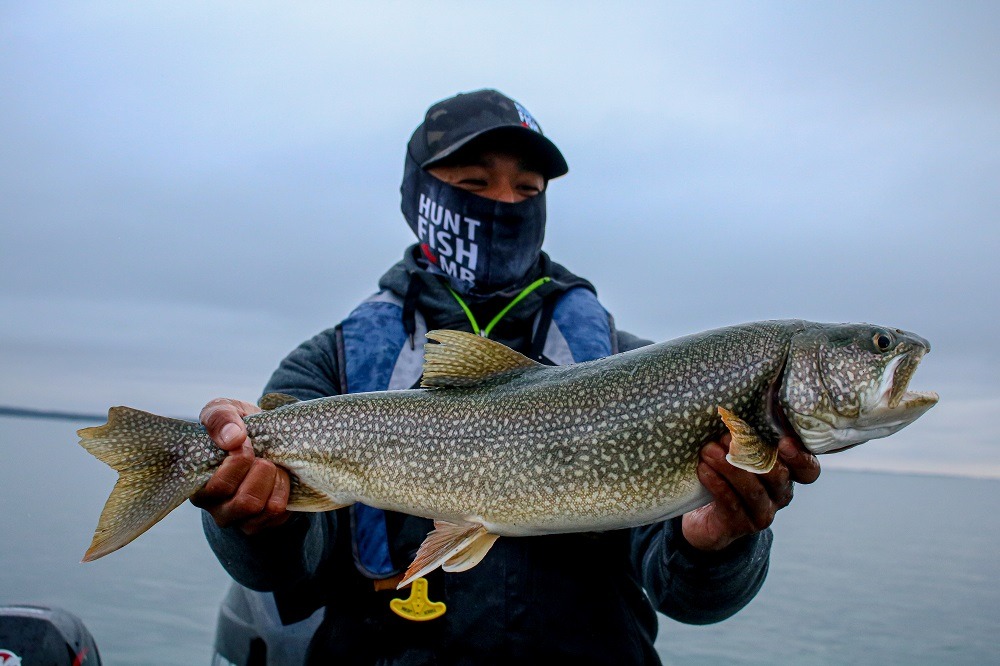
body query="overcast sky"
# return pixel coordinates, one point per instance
(190, 189)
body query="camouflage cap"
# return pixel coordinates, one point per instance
(453, 123)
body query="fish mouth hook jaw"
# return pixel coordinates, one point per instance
(885, 408)
(894, 393)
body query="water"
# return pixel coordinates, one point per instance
(866, 568)
(154, 602)
(869, 569)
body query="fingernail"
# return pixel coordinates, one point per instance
(787, 450)
(229, 433)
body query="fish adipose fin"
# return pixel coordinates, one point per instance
(747, 450)
(275, 400)
(455, 546)
(464, 359)
(160, 463)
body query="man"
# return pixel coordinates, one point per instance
(473, 192)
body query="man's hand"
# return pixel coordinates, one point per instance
(744, 503)
(246, 492)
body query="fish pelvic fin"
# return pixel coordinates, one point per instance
(455, 546)
(748, 450)
(464, 359)
(160, 463)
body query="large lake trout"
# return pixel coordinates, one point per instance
(499, 445)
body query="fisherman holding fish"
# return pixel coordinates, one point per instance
(473, 192)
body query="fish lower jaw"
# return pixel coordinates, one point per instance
(841, 433)
(885, 415)
(918, 400)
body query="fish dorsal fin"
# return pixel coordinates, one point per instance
(275, 400)
(464, 359)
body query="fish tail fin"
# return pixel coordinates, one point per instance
(160, 463)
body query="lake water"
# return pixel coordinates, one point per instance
(866, 568)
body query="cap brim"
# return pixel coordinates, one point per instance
(543, 152)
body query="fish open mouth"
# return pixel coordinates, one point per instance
(894, 393)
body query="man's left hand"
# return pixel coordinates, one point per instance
(744, 503)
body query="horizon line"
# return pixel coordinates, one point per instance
(55, 414)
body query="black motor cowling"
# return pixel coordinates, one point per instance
(31, 635)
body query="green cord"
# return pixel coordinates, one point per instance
(517, 299)
(468, 312)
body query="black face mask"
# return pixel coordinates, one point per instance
(481, 245)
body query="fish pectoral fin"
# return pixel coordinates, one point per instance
(748, 450)
(275, 400)
(464, 359)
(462, 545)
(305, 498)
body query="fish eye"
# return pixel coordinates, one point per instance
(882, 341)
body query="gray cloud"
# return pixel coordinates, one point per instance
(188, 190)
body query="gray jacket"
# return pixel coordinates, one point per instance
(589, 597)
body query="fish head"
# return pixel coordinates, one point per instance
(845, 384)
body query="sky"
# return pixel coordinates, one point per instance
(190, 189)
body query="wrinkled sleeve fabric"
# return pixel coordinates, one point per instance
(310, 371)
(290, 555)
(697, 587)
(277, 558)
(628, 342)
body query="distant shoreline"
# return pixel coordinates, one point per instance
(51, 414)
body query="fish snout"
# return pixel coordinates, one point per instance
(913, 340)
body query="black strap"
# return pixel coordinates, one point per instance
(542, 330)
(410, 308)
(338, 338)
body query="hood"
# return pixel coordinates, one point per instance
(441, 310)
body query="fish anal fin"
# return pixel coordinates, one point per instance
(472, 554)
(748, 450)
(464, 359)
(447, 541)
(305, 498)
(275, 400)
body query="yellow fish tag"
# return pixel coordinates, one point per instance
(417, 607)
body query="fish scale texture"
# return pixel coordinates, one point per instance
(608, 443)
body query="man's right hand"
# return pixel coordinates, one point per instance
(245, 492)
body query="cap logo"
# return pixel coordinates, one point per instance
(526, 119)
(8, 658)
